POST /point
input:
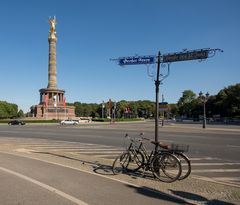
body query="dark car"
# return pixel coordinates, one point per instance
(16, 122)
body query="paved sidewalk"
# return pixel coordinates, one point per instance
(192, 190)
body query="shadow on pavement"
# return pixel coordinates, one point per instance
(158, 195)
(107, 170)
(97, 167)
(66, 157)
(199, 198)
(103, 169)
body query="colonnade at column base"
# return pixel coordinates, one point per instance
(52, 105)
(51, 112)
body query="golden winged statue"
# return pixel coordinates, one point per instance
(52, 22)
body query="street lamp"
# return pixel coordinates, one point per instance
(204, 99)
(103, 106)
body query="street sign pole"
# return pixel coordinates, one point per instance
(199, 54)
(157, 83)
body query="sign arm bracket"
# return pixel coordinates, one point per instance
(165, 76)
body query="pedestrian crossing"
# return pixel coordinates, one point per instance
(214, 169)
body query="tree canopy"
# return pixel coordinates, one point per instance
(227, 101)
(225, 104)
(186, 103)
(8, 110)
(122, 109)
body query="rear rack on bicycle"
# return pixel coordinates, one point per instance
(179, 147)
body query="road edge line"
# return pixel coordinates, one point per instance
(45, 186)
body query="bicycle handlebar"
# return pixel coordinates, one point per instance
(164, 146)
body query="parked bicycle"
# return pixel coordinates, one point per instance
(178, 150)
(164, 166)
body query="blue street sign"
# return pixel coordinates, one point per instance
(184, 56)
(136, 60)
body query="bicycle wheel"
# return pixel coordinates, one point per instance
(120, 163)
(166, 167)
(185, 164)
(136, 159)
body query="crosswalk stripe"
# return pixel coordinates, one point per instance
(111, 152)
(232, 179)
(89, 150)
(73, 147)
(235, 146)
(61, 145)
(112, 156)
(214, 164)
(93, 148)
(221, 180)
(105, 152)
(203, 158)
(108, 151)
(205, 163)
(214, 170)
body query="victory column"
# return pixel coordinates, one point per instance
(52, 101)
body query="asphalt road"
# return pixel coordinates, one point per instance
(214, 153)
(26, 181)
(216, 141)
(221, 142)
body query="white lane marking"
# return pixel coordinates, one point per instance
(214, 170)
(93, 152)
(235, 146)
(214, 164)
(88, 172)
(230, 179)
(203, 158)
(109, 156)
(73, 168)
(65, 145)
(229, 183)
(118, 180)
(45, 186)
(86, 149)
(82, 145)
(24, 150)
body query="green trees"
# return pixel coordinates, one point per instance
(8, 110)
(124, 109)
(187, 103)
(86, 110)
(225, 104)
(20, 114)
(141, 108)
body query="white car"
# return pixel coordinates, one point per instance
(69, 122)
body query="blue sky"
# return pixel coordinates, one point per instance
(91, 32)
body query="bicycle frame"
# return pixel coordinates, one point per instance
(164, 166)
(146, 155)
